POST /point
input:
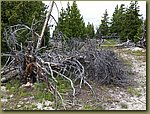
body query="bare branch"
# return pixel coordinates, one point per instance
(45, 25)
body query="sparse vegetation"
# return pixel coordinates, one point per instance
(92, 107)
(138, 53)
(134, 91)
(40, 92)
(110, 42)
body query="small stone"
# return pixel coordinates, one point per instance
(113, 105)
(121, 93)
(124, 105)
(39, 106)
(3, 100)
(47, 103)
(3, 88)
(25, 99)
(3, 80)
(28, 84)
(18, 106)
(27, 102)
(11, 95)
(48, 108)
(20, 102)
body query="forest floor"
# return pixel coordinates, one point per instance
(109, 97)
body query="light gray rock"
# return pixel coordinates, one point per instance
(48, 103)
(18, 105)
(4, 100)
(48, 108)
(3, 88)
(11, 95)
(39, 106)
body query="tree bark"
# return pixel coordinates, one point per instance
(44, 26)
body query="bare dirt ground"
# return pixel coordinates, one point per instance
(109, 97)
(132, 98)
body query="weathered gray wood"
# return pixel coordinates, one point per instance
(44, 26)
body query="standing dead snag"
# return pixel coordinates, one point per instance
(44, 26)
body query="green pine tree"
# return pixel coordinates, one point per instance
(90, 30)
(104, 29)
(121, 23)
(114, 28)
(76, 21)
(132, 21)
(140, 32)
(71, 22)
(126, 22)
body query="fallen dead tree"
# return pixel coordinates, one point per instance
(78, 66)
(82, 63)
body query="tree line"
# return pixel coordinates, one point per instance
(125, 22)
(72, 25)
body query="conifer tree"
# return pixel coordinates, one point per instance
(122, 23)
(104, 29)
(90, 30)
(71, 22)
(114, 28)
(126, 22)
(133, 20)
(77, 23)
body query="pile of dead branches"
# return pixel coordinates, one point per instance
(78, 65)
(101, 65)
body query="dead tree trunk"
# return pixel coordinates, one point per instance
(44, 26)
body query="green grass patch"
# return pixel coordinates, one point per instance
(107, 46)
(13, 85)
(87, 107)
(63, 85)
(138, 53)
(90, 107)
(40, 92)
(14, 88)
(134, 91)
(22, 92)
(109, 43)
